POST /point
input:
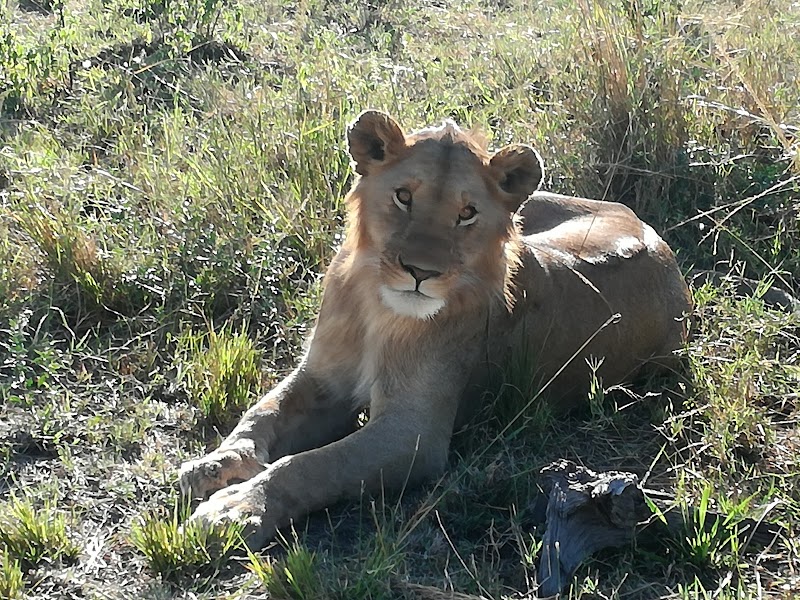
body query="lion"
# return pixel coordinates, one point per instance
(451, 262)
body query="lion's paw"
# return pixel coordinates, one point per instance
(204, 476)
(243, 504)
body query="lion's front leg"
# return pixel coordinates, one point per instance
(388, 452)
(292, 417)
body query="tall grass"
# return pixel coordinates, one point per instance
(172, 176)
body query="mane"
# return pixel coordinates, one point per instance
(450, 133)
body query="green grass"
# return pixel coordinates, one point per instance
(30, 534)
(369, 570)
(10, 577)
(222, 373)
(172, 175)
(293, 577)
(174, 547)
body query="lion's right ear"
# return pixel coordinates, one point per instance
(372, 139)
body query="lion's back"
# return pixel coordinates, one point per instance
(584, 262)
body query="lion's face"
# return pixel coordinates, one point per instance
(433, 212)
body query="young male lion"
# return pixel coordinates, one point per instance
(445, 270)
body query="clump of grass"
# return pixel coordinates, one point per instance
(221, 372)
(173, 547)
(639, 123)
(10, 577)
(91, 281)
(708, 538)
(69, 251)
(31, 534)
(294, 577)
(303, 574)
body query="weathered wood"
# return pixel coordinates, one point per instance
(588, 511)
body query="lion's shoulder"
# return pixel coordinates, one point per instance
(588, 231)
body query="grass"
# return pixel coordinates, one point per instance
(10, 577)
(294, 576)
(174, 548)
(369, 569)
(31, 534)
(172, 176)
(223, 377)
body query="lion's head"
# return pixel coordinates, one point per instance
(434, 213)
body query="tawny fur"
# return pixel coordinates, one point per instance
(485, 269)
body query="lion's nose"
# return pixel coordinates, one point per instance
(418, 273)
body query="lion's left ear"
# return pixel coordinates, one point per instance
(518, 170)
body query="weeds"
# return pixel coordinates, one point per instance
(175, 547)
(30, 534)
(10, 577)
(222, 373)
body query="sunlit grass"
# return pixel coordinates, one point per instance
(30, 533)
(222, 373)
(10, 577)
(173, 546)
(171, 190)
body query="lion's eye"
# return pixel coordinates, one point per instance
(402, 198)
(467, 216)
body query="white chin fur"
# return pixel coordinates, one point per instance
(411, 304)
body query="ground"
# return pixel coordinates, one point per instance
(171, 184)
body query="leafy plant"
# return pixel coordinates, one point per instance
(30, 360)
(187, 23)
(27, 70)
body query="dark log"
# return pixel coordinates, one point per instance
(588, 511)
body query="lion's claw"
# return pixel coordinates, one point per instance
(204, 476)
